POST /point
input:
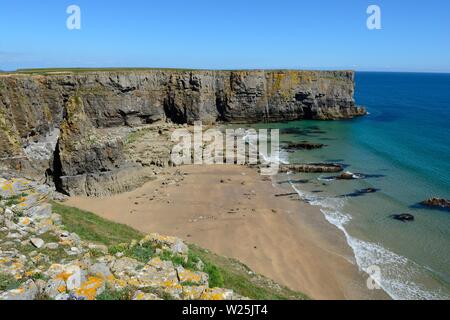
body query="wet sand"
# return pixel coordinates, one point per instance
(234, 211)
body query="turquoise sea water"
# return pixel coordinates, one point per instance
(404, 147)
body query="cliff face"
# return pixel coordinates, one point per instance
(36, 109)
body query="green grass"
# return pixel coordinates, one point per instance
(8, 282)
(222, 271)
(91, 227)
(242, 280)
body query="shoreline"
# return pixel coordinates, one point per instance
(233, 211)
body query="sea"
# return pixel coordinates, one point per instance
(402, 151)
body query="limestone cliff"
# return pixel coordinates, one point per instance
(36, 109)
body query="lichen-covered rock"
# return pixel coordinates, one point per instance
(54, 125)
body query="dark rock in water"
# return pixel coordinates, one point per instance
(304, 146)
(404, 217)
(286, 194)
(368, 190)
(311, 168)
(361, 192)
(437, 203)
(300, 181)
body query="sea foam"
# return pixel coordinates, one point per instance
(397, 272)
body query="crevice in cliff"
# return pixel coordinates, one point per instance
(307, 113)
(176, 115)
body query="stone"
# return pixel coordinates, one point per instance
(100, 247)
(193, 292)
(55, 287)
(303, 146)
(126, 266)
(52, 246)
(41, 211)
(179, 247)
(217, 294)
(65, 111)
(346, 176)
(189, 276)
(37, 242)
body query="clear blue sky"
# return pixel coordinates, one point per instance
(228, 34)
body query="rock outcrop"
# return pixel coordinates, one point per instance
(58, 123)
(437, 203)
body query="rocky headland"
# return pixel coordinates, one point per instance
(69, 129)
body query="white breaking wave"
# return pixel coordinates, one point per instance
(252, 139)
(396, 271)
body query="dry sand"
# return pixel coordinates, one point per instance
(233, 211)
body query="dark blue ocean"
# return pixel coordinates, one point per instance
(403, 146)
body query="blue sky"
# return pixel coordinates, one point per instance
(314, 34)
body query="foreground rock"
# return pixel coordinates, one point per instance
(349, 176)
(68, 268)
(311, 168)
(437, 203)
(303, 146)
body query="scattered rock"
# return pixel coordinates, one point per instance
(139, 295)
(437, 203)
(37, 242)
(404, 217)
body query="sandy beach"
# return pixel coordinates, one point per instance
(235, 212)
